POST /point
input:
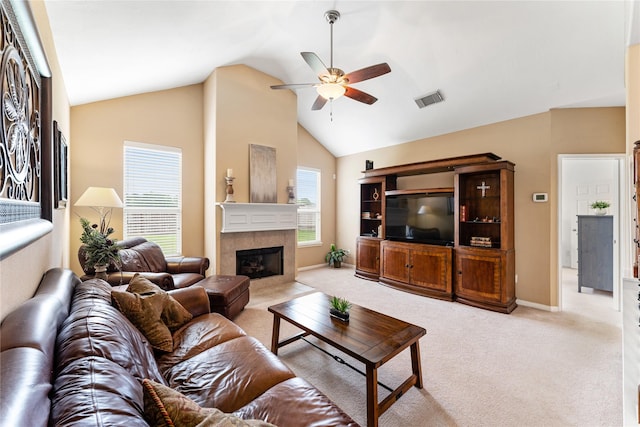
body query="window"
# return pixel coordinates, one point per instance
(153, 195)
(308, 181)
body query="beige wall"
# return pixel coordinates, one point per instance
(172, 118)
(533, 144)
(20, 273)
(241, 109)
(312, 154)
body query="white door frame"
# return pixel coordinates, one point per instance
(620, 224)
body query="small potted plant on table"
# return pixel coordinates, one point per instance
(335, 256)
(339, 308)
(600, 207)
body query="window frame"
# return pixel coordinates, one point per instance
(142, 210)
(317, 210)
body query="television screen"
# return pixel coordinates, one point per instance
(421, 218)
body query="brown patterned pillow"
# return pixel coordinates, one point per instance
(145, 313)
(174, 315)
(164, 406)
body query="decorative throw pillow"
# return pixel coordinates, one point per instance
(164, 406)
(145, 314)
(174, 315)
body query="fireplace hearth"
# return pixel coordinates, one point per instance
(259, 263)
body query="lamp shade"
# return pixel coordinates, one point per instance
(331, 90)
(99, 197)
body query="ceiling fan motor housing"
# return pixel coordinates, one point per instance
(336, 75)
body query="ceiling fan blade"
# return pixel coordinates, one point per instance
(315, 63)
(293, 86)
(359, 95)
(319, 103)
(368, 73)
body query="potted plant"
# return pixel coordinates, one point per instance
(339, 308)
(99, 249)
(335, 256)
(600, 206)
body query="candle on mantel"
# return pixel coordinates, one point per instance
(290, 183)
(229, 172)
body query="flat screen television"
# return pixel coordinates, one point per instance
(421, 218)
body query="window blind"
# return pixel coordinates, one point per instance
(153, 194)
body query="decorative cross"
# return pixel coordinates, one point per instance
(484, 188)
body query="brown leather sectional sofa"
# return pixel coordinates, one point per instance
(68, 357)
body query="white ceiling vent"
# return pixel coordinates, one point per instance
(432, 98)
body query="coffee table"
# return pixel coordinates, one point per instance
(369, 337)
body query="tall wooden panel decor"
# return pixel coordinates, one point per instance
(25, 130)
(262, 182)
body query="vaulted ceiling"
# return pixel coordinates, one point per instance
(491, 61)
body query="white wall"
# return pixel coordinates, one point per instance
(585, 180)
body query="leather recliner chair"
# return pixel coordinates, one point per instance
(142, 256)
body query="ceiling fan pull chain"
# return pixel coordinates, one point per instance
(331, 109)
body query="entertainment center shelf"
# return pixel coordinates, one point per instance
(425, 191)
(452, 243)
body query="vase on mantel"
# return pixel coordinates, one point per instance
(101, 271)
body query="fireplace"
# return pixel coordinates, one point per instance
(251, 226)
(259, 263)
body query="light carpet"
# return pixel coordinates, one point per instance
(480, 368)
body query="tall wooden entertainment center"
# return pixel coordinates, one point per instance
(479, 269)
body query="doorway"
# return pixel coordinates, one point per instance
(583, 179)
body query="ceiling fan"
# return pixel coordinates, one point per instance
(333, 81)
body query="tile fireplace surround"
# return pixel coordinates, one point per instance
(255, 226)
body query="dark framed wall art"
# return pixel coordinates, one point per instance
(60, 171)
(26, 154)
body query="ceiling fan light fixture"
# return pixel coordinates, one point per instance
(331, 90)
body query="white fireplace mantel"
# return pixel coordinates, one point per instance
(247, 217)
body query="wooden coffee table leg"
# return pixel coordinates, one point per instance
(275, 334)
(416, 365)
(373, 410)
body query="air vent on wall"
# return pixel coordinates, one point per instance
(432, 98)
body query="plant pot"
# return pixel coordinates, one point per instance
(337, 264)
(601, 211)
(101, 271)
(339, 315)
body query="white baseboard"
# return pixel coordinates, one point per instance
(323, 265)
(551, 308)
(312, 267)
